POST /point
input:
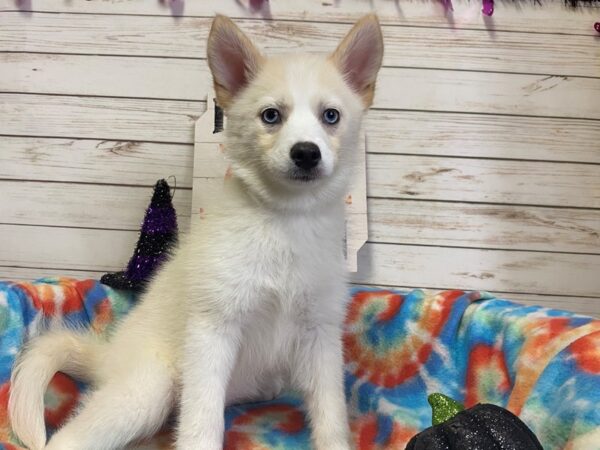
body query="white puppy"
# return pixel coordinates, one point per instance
(253, 299)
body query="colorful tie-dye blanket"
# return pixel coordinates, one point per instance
(543, 365)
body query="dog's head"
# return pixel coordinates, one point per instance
(294, 120)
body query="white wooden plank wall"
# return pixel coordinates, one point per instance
(484, 142)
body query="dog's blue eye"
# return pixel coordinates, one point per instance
(331, 116)
(271, 116)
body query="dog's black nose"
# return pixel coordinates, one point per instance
(305, 155)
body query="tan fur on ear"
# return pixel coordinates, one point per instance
(359, 57)
(232, 58)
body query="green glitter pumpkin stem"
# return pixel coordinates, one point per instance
(443, 408)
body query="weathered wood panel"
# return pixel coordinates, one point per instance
(486, 136)
(483, 180)
(112, 76)
(462, 49)
(99, 118)
(461, 268)
(421, 133)
(484, 226)
(83, 205)
(95, 161)
(29, 274)
(582, 305)
(531, 272)
(551, 17)
(65, 248)
(588, 306)
(390, 221)
(404, 88)
(477, 180)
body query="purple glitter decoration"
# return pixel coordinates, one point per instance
(447, 5)
(160, 215)
(488, 7)
(597, 27)
(256, 5)
(157, 237)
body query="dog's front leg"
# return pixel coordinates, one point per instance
(320, 373)
(209, 358)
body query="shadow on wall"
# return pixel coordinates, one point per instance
(259, 7)
(176, 6)
(24, 6)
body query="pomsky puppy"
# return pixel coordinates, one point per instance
(253, 300)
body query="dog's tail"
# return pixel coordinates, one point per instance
(76, 354)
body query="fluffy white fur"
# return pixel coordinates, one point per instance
(253, 299)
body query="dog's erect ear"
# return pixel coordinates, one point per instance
(359, 57)
(232, 58)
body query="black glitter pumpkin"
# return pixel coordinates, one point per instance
(482, 427)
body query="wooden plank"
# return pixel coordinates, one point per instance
(95, 161)
(112, 76)
(491, 93)
(487, 136)
(65, 248)
(587, 306)
(463, 49)
(31, 273)
(99, 118)
(484, 226)
(83, 205)
(418, 133)
(488, 181)
(581, 305)
(408, 176)
(404, 88)
(492, 270)
(549, 17)
(483, 180)
(390, 221)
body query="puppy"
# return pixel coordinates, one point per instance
(253, 299)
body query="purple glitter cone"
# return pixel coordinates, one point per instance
(160, 215)
(157, 238)
(488, 7)
(448, 7)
